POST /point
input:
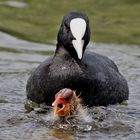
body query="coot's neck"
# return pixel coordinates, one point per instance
(62, 53)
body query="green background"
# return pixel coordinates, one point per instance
(111, 21)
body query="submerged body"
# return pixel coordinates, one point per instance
(95, 77)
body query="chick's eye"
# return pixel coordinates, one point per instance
(68, 97)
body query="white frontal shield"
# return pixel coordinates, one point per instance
(78, 28)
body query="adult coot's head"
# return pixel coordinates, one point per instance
(74, 34)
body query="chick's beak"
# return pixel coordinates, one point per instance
(61, 109)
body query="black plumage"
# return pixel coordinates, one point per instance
(95, 77)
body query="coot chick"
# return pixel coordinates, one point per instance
(95, 77)
(66, 103)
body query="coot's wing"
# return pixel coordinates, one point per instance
(35, 82)
(109, 86)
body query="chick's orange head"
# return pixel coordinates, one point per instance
(63, 102)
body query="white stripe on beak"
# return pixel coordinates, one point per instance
(78, 28)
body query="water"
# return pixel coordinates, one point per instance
(19, 58)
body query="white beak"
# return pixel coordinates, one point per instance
(78, 45)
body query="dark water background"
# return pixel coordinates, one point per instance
(18, 59)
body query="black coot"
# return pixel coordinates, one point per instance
(95, 77)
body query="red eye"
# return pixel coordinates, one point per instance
(67, 27)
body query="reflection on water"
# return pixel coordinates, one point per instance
(18, 58)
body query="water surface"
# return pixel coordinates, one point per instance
(18, 58)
